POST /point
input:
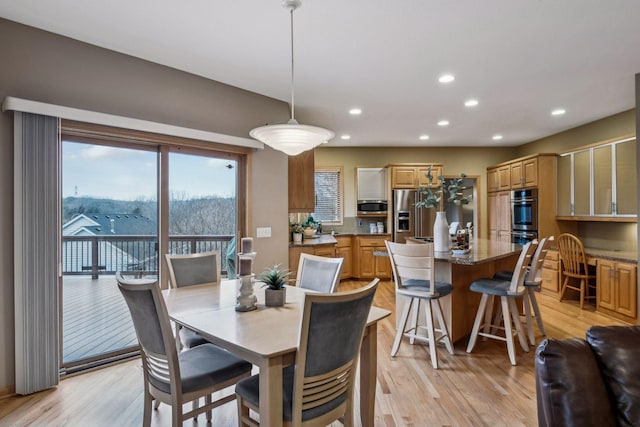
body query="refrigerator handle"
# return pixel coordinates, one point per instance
(417, 215)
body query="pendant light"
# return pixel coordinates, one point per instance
(291, 138)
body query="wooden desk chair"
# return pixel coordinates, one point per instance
(318, 389)
(574, 267)
(507, 290)
(191, 270)
(319, 274)
(171, 377)
(413, 268)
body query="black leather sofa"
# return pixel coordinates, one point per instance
(590, 383)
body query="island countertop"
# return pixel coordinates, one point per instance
(480, 251)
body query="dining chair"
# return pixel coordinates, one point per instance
(413, 267)
(191, 270)
(508, 291)
(318, 273)
(575, 267)
(319, 388)
(532, 285)
(171, 377)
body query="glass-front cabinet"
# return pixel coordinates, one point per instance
(598, 181)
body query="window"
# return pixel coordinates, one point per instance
(328, 182)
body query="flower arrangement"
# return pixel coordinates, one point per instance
(450, 188)
(296, 227)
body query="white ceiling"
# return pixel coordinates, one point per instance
(519, 58)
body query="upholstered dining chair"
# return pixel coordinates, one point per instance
(318, 273)
(190, 270)
(532, 284)
(508, 291)
(171, 377)
(413, 268)
(574, 267)
(318, 389)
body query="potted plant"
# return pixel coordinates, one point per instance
(296, 230)
(310, 226)
(434, 198)
(274, 279)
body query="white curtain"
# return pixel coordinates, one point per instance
(36, 236)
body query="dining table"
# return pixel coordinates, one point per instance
(267, 337)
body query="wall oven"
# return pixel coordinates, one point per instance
(524, 210)
(523, 237)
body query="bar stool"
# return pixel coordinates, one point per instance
(414, 275)
(532, 284)
(507, 291)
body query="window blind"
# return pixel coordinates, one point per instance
(328, 206)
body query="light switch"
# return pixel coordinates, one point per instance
(263, 232)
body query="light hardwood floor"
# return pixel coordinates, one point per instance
(477, 389)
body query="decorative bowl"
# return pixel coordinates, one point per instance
(309, 232)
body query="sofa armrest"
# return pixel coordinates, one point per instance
(570, 389)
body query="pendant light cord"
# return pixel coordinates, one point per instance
(292, 71)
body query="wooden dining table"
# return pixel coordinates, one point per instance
(266, 337)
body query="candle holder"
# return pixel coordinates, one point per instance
(246, 298)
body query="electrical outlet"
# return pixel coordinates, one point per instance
(263, 232)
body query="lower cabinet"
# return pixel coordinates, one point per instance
(551, 280)
(617, 289)
(343, 250)
(368, 264)
(328, 251)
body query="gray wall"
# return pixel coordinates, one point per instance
(41, 66)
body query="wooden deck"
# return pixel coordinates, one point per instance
(95, 318)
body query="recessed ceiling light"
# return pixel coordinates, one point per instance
(558, 112)
(446, 78)
(496, 137)
(345, 137)
(443, 123)
(355, 111)
(471, 103)
(424, 137)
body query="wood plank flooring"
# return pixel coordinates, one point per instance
(477, 389)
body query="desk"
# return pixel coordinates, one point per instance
(266, 337)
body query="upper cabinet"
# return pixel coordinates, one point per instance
(410, 176)
(372, 183)
(302, 194)
(513, 175)
(599, 182)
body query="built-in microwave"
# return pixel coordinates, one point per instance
(372, 207)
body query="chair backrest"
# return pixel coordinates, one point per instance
(193, 269)
(574, 259)
(153, 329)
(520, 271)
(412, 262)
(330, 335)
(534, 275)
(320, 274)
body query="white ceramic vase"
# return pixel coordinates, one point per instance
(441, 239)
(297, 237)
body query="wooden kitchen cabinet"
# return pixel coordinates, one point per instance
(492, 180)
(617, 289)
(524, 174)
(504, 177)
(302, 194)
(499, 205)
(369, 265)
(551, 273)
(344, 250)
(412, 176)
(325, 250)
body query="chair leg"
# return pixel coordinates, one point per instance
(444, 329)
(194, 406)
(401, 327)
(516, 321)
(207, 401)
(146, 420)
(581, 294)
(243, 412)
(507, 330)
(496, 319)
(156, 404)
(432, 336)
(477, 323)
(536, 309)
(527, 316)
(414, 321)
(564, 287)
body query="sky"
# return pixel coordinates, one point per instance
(127, 174)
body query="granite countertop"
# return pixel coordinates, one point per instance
(481, 250)
(614, 255)
(321, 239)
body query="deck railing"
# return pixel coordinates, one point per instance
(104, 255)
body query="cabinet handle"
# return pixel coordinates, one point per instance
(614, 208)
(571, 209)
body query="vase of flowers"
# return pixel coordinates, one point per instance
(451, 189)
(296, 232)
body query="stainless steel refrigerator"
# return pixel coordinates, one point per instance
(409, 221)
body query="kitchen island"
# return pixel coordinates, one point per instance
(484, 259)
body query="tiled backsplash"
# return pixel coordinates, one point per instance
(609, 235)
